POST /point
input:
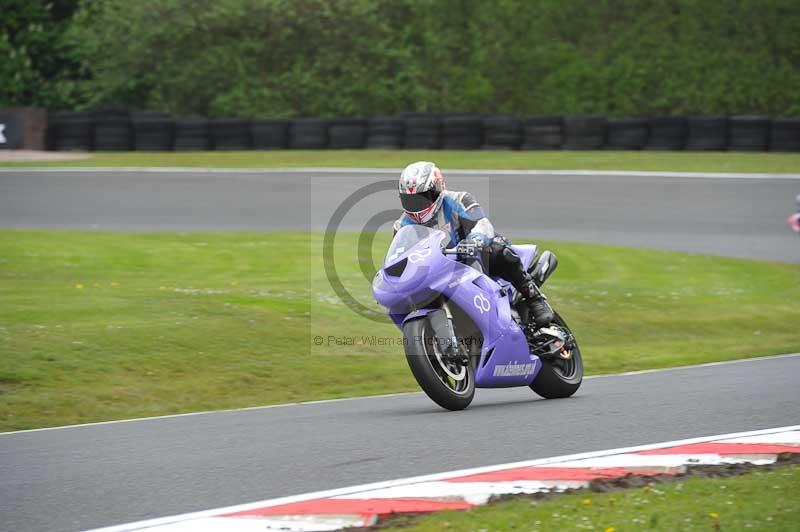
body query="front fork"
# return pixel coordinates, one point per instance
(442, 323)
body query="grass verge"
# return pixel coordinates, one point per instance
(759, 500)
(97, 326)
(520, 160)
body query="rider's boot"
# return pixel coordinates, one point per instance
(539, 311)
(541, 314)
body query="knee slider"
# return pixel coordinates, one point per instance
(545, 266)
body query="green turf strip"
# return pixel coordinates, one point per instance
(98, 326)
(503, 160)
(761, 500)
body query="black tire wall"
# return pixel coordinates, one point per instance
(69, 131)
(707, 133)
(627, 134)
(386, 132)
(308, 134)
(191, 134)
(230, 134)
(784, 134)
(270, 134)
(117, 129)
(748, 133)
(667, 133)
(152, 132)
(584, 132)
(462, 132)
(112, 129)
(502, 132)
(422, 131)
(348, 134)
(543, 133)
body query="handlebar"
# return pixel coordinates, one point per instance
(464, 250)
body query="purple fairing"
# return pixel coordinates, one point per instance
(416, 273)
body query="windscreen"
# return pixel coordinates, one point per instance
(405, 238)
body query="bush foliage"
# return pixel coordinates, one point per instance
(282, 58)
(37, 64)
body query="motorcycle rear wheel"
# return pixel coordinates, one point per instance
(433, 374)
(560, 378)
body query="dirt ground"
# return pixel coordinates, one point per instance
(13, 156)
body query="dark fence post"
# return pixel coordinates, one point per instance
(23, 128)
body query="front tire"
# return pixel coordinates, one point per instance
(433, 375)
(560, 378)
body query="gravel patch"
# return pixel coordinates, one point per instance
(13, 156)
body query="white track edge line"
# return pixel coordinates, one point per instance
(382, 396)
(391, 171)
(693, 366)
(428, 478)
(205, 412)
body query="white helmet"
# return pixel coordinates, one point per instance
(421, 187)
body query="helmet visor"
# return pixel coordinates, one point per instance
(419, 202)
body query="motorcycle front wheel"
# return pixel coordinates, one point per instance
(449, 384)
(560, 377)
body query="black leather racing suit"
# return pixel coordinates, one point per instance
(462, 217)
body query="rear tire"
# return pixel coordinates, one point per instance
(560, 378)
(428, 371)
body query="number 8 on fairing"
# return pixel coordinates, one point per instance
(481, 303)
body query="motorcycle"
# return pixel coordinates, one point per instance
(794, 219)
(463, 329)
(794, 222)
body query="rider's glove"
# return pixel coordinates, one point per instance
(481, 239)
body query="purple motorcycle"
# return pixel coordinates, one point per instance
(463, 329)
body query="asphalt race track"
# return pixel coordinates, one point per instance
(90, 476)
(84, 477)
(735, 217)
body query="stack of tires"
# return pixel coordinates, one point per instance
(308, 134)
(112, 130)
(118, 130)
(627, 134)
(748, 133)
(422, 131)
(191, 134)
(502, 133)
(69, 131)
(386, 132)
(584, 132)
(152, 131)
(230, 134)
(462, 132)
(784, 135)
(270, 134)
(543, 133)
(707, 133)
(348, 134)
(667, 133)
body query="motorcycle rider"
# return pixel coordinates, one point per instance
(426, 201)
(794, 219)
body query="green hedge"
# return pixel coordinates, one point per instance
(37, 64)
(282, 58)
